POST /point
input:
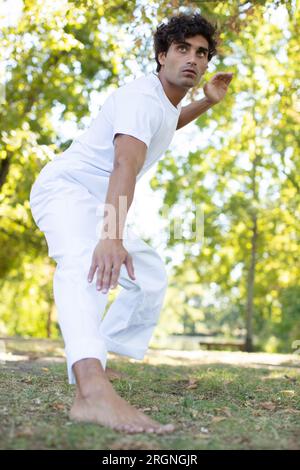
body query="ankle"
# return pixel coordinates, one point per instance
(92, 389)
(90, 377)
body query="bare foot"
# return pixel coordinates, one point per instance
(105, 407)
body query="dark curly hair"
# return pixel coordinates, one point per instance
(183, 26)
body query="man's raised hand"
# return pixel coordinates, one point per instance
(217, 87)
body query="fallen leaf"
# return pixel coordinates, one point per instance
(226, 411)
(191, 387)
(291, 379)
(192, 384)
(288, 393)
(25, 432)
(291, 410)
(217, 419)
(268, 405)
(227, 382)
(148, 408)
(27, 380)
(260, 389)
(58, 406)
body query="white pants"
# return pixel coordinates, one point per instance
(67, 206)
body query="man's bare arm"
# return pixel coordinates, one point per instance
(129, 158)
(214, 90)
(109, 253)
(192, 111)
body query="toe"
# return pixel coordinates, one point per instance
(139, 428)
(164, 429)
(150, 430)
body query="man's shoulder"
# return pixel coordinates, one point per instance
(144, 85)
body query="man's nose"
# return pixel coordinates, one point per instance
(192, 57)
(192, 60)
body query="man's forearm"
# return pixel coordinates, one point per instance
(192, 111)
(119, 197)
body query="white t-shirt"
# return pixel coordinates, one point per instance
(139, 108)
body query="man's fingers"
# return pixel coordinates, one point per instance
(115, 276)
(99, 276)
(106, 277)
(225, 76)
(129, 267)
(92, 271)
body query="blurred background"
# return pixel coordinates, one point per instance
(240, 288)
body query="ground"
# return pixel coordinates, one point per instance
(218, 400)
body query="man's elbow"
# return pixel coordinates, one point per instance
(126, 163)
(130, 153)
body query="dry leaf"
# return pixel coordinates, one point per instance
(291, 379)
(58, 406)
(25, 432)
(217, 419)
(192, 384)
(268, 405)
(148, 408)
(288, 393)
(191, 387)
(291, 410)
(226, 411)
(27, 380)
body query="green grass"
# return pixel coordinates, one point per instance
(226, 407)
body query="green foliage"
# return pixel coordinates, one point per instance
(57, 55)
(245, 175)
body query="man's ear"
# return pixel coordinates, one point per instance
(162, 58)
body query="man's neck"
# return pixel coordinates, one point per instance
(173, 92)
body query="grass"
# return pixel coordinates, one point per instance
(215, 406)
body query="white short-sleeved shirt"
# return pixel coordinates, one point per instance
(139, 108)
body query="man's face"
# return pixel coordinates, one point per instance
(192, 54)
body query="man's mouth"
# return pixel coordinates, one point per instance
(190, 71)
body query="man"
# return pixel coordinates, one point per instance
(80, 201)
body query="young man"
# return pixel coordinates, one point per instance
(95, 178)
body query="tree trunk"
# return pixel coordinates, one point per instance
(250, 289)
